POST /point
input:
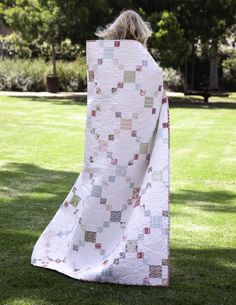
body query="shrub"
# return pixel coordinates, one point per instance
(173, 79)
(65, 51)
(22, 75)
(72, 75)
(229, 73)
(13, 45)
(29, 74)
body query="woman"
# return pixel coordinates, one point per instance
(128, 25)
(113, 226)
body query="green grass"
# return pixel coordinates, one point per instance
(41, 155)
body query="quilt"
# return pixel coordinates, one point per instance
(113, 225)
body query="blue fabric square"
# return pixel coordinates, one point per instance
(96, 191)
(108, 52)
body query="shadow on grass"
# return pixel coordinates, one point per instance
(80, 101)
(210, 201)
(174, 102)
(39, 188)
(196, 277)
(33, 195)
(194, 102)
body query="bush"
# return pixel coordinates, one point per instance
(22, 75)
(72, 75)
(65, 51)
(173, 80)
(13, 45)
(29, 74)
(229, 73)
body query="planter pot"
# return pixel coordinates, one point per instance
(52, 83)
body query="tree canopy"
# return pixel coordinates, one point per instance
(178, 24)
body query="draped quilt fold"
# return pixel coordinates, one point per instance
(113, 226)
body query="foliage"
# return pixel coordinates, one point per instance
(36, 20)
(72, 75)
(168, 39)
(29, 75)
(83, 17)
(40, 20)
(55, 20)
(22, 75)
(177, 25)
(14, 45)
(205, 20)
(173, 79)
(229, 73)
(65, 50)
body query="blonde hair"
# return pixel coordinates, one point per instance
(128, 25)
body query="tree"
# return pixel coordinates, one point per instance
(168, 39)
(55, 20)
(37, 20)
(81, 18)
(207, 20)
(221, 16)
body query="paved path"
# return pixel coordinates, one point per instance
(61, 94)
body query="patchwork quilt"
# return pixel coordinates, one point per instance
(113, 226)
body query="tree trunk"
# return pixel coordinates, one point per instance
(214, 61)
(186, 73)
(193, 66)
(53, 59)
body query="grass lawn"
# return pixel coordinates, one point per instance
(41, 155)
